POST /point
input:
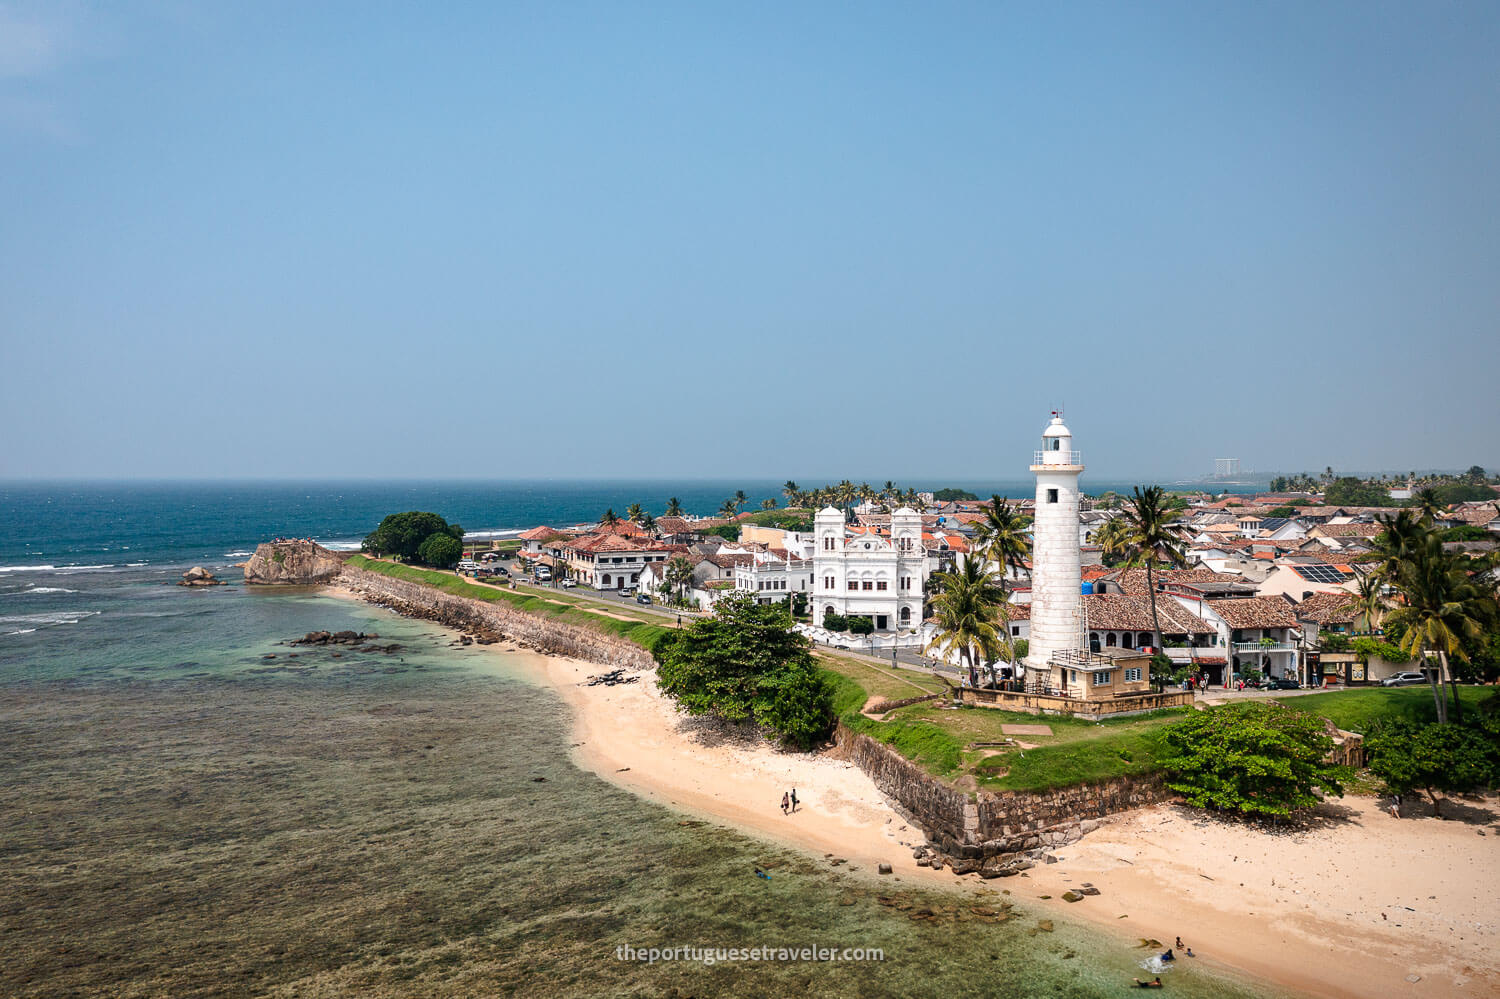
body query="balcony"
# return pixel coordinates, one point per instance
(1057, 457)
(1243, 647)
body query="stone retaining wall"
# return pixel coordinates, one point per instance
(1091, 708)
(986, 830)
(495, 620)
(882, 706)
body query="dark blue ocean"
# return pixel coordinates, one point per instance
(60, 525)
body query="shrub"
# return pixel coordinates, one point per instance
(1254, 758)
(835, 622)
(1432, 757)
(860, 625)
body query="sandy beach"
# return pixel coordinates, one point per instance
(1359, 905)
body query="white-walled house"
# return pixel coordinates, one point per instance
(772, 578)
(1256, 631)
(864, 573)
(609, 561)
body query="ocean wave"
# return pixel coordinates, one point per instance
(27, 568)
(48, 589)
(135, 565)
(49, 620)
(237, 554)
(342, 546)
(20, 631)
(508, 533)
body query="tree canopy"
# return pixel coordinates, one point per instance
(402, 535)
(1434, 757)
(1254, 758)
(441, 551)
(1350, 491)
(746, 664)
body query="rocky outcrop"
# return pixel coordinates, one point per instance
(199, 576)
(292, 563)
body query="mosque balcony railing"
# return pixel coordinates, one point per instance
(1057, 458)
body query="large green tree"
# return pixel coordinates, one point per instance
(1254, 758)
(401, 534)
(1432, 757)
(441, 551)
(746, 664)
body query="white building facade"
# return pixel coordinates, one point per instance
(869, 575)
(1056, 574)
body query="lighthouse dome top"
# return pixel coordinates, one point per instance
(1056, 428)
(1057, 446)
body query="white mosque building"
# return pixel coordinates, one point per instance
(857, 572)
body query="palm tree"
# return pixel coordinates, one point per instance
(1001, 538)
(966, 611)
(729, 509)
(790, 491)
(1113, 536)
(648, 523)
(846, 491)
(633, 512)
(1426, 500)
(1446, 607)
(674, 507)
(1149, 540)
(610, 518)
(769, 503)
(1394, 548)
(676, 575)
(1370, 599)
(740, 499)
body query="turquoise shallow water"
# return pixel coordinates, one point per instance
(185, 816)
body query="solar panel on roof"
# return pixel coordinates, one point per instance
(1320, 573)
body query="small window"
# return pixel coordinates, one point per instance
(1132, 675)
(881, 585)
(1051, 495)
(853, 584)
(1101, 679)
(828, 544)
(868, 586)
(1015, 631)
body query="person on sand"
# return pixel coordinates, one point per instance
(1179, 943)
(794, 799)
(1154, 984)
(784, 802)
(1190, 952)
(1395, 806)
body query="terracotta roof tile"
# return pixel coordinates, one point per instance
(1327, 608)
(1255, 612)
(1121, 612)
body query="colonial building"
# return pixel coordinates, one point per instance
(867, 573)
(610, 561)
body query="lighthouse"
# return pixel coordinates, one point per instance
(1056, 590)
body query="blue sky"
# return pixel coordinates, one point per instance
(812, 240)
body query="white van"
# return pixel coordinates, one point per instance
(467, 565)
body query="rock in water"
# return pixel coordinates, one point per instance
(292, 563)
(199, 576)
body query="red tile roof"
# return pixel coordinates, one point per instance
(1327, 608)
(1121, 612)
(1255, 612)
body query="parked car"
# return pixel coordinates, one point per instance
(568, 584)
(643, 598)
(503, 571)
(1282, 683)
(1403, 679)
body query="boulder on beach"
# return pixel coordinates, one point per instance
(199, 576)
(292, 563)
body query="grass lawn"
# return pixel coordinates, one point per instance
(1356, 710)
(879, 683)
(638, 629)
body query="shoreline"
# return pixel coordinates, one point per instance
(1160, 869)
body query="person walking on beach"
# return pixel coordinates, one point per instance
(1395, 806)
(784, 802)
(794, 799)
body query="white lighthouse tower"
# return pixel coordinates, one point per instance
(1056, 590)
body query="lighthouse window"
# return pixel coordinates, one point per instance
(1051, 495)
(1054, 443)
